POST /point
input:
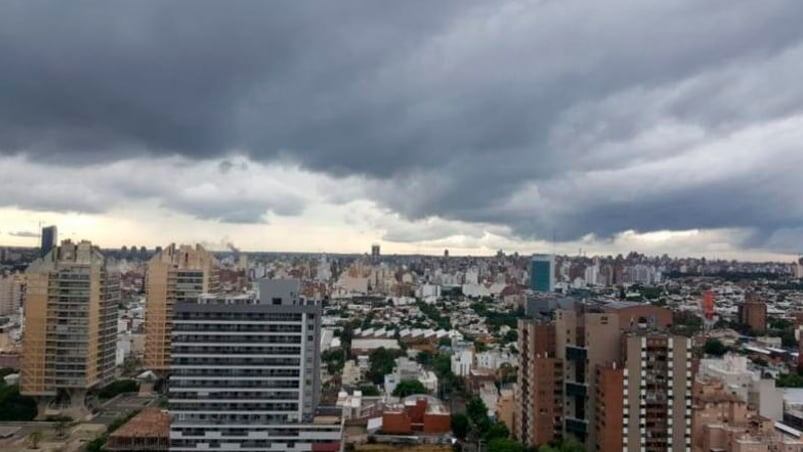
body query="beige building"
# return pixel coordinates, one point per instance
(12, 291)
(70, 326)
(505, 408)
(584, 341)
(723, 422)
(614, 380)
(176, 274)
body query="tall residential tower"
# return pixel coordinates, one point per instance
(612, 377)
(245, 373)
(70, 325)
(174, 275)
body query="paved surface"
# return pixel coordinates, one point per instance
(121, 406)
(109, 411)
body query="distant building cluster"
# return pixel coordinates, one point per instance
(287, 351)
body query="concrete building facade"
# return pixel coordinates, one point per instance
(753, 313)
(538, 416)
(614, 380)
(174, 275)
(245, 373)
(12, 293)
(70, 326)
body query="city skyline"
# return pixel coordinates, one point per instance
(624, 244)
(467, 126)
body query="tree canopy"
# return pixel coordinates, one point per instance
(409, 387)
(460, 425)
(382, 363)
(715, 347)
(504, 445)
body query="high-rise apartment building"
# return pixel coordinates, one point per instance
(70, 324)
(584, 341)
(174, 275)
(245, 373)
(12, 291)
(50, 237)
(538, 415)
(753, 313)
(654, 383)
(584, 375)
(542, 273)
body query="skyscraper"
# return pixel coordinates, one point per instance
(375, 252)
(604, 378)
(173, 275)
(49, 239)
(655, 385)
(245, 372)
(542, 273)
(70, 325)
(538, 415)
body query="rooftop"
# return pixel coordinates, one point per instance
(150, 422)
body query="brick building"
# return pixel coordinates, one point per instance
(753, 313)
(417, 414)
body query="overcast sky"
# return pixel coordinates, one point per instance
(666, 126)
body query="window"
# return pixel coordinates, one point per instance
(276, 300)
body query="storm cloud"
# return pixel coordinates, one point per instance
(543, 118)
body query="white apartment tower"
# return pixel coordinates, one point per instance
(245, 373)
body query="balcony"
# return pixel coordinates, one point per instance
(576, 390)
(578, 427)
(574, 353)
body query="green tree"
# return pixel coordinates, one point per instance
(504, 445)
(442, 365)
(424, 358)
(511, 336)
(14, 406)
(497, 430)
(409, 387)
(460, 425)
(476, 410)
(686, 323)
(565, 445)
(715, 347)
(789, 381)
(335, 361)
(118, 387)
(382, 363)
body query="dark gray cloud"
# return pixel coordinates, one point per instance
(25, 234)
(525, 114)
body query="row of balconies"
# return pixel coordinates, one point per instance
(234, 373)
(233, 405)
(188, 352)
(229, 360)
(236, 327)
(211, 385)
(267, 338)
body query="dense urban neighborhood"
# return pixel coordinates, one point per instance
(501, 353)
